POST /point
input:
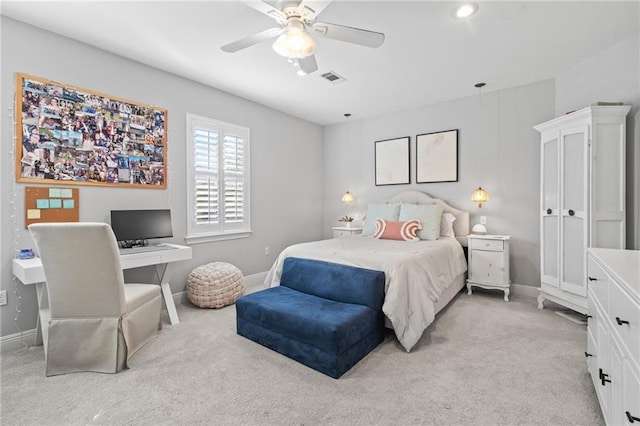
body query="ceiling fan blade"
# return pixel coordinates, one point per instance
(312, 8)
(267, 9)
(308, 64)
(349, 34)
(252, 39)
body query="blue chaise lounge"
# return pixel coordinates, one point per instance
(325, 315)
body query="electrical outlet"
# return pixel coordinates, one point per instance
(3, 297)
(266, 251)
(483, 220)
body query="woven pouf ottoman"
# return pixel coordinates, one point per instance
(215, 285)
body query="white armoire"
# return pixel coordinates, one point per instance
(582, 200)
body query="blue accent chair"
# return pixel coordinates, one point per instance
(325, 315)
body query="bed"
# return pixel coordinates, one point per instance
(421, 277)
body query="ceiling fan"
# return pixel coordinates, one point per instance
(296, 19)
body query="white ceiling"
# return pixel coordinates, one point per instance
(427, 57)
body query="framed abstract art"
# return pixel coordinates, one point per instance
(392, 161)
(437, 157)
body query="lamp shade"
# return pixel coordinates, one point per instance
(480, 196)
(295, 43)
(347, 198)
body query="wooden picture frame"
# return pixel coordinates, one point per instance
(392, 161)
(69, 135)
(437, 157)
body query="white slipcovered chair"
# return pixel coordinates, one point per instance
(97, 322)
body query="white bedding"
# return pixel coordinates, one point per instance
(417, 273)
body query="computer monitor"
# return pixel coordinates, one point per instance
(135, 227)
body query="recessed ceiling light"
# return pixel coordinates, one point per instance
(465, 10)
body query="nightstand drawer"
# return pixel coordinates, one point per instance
(345, 232)
(340, 233)
(489, 245)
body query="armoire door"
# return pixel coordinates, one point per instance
(550, 204)
(573, 209)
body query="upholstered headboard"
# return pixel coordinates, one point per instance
(461, 224)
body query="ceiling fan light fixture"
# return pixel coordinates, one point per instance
(280, 46)
(465, 10)
(295, 42)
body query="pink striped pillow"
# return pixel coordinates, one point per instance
(406, 231)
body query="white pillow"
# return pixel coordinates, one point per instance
(379, 211)
(446, 225)
(429, 215)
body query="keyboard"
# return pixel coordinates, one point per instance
(145, 249)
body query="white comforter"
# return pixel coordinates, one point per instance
(417, 273)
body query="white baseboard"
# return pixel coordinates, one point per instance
(255, 282)
(525, 290)
(17, 341)
(252, 283)
(14, 342)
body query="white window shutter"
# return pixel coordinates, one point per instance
(218, 164)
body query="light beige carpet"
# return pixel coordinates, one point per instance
(482, 362)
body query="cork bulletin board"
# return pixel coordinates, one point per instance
(45, 204)
(74, 136)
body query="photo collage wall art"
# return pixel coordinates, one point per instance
(76, 136)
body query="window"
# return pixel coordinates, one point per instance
(217, 180)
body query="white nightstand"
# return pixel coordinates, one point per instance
(489, 263)
(343, 231)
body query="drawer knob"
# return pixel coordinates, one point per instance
(620, 322)
(571, 212)
(587, 354)
(549, 211)
(632, 418)
(593, 279)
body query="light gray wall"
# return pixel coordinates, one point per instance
(508, 150)
(503, 158)
(299, 173)
(286, 160)
(613, 75)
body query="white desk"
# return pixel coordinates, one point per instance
(30, 271)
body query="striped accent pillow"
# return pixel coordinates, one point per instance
(403, 231)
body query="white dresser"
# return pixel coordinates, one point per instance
(613, 336)
(582, 200)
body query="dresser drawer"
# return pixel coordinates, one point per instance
(489, 245)
(591, 354)
(630, 394)
(599, 282)
(624, 315)
(593, 316)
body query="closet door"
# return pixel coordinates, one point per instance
(573, 209)
(550, 204)
(607, 191)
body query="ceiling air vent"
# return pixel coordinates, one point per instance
(333, 78)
